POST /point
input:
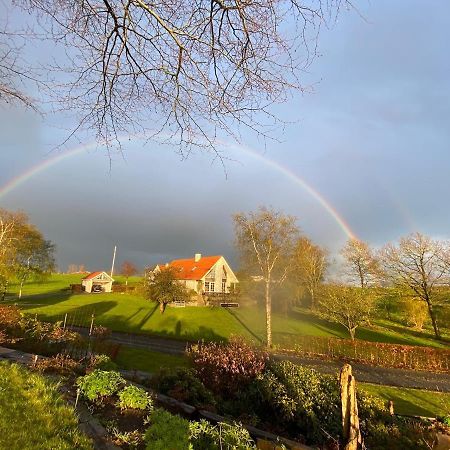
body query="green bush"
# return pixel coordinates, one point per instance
(185, 385)
(99, 384)
(102, 362)
(222, 436)
(135, 398)
(302, 399)
(167, 431)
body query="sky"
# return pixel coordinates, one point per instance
(366, 149)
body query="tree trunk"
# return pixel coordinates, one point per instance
(162, 307)
(268, 314)
(20, 289)
(433, 319)
(352, 332)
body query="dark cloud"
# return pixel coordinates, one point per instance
(373, 139)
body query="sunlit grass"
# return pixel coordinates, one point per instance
(413, 402)
(33, 415)
(131, 313)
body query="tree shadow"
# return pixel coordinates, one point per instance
(147, 316)
(244, 325)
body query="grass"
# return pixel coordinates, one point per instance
(413, 402)
(131, 313)
(33, 415)
(130, 358)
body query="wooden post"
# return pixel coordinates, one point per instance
(350, 419)
(92, 325)
(346, 373)
(391, 407)
(65, 322)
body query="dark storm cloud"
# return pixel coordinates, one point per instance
(373, 139)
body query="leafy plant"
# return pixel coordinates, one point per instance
(135, 398)
(102, 362)
(167, 431)
(99, 384)
(223, 367)
(185, 385)
(205, 436)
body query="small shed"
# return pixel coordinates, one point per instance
(97, 282)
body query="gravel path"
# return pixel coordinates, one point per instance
(370, 374)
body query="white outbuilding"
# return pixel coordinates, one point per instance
(97, 282)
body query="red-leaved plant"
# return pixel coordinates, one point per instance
(226, 367)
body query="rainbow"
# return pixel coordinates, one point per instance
(22, 178)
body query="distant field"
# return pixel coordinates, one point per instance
(131, 313)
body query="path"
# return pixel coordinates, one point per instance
(365, 373)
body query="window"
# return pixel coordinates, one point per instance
(224, 285)
(206, 286)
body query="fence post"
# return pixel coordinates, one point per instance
(350, 419)
(92, 325)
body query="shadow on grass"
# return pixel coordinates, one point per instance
(244, 325)
(425, 334)
(81, 315)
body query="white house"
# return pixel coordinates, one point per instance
(97, 282)
(203, 274)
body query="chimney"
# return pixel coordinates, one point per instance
(197, 257)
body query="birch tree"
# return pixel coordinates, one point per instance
(265, 240)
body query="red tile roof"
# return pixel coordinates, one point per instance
(189, 269)
(92, 275)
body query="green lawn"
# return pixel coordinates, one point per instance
(33, 415)
(136, 358)
(130, 313)
(413, 402)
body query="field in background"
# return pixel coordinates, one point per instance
(51, 300)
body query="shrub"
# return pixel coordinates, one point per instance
(223, 367)
(135, 398)
(100, 332)
(185, 385)
(10, 318)
(205, 436)
(167, 431)
(415, 312)
(398, 434)
(302, 398)
(61, 364)
(99, 384)
(102, 362)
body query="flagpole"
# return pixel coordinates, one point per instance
(113, 260)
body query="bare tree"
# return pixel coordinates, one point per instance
(361, 264)
(419, 265)
(349, 306)
(265, 240)
(184, 68)
(309, 266)
(128, 269)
